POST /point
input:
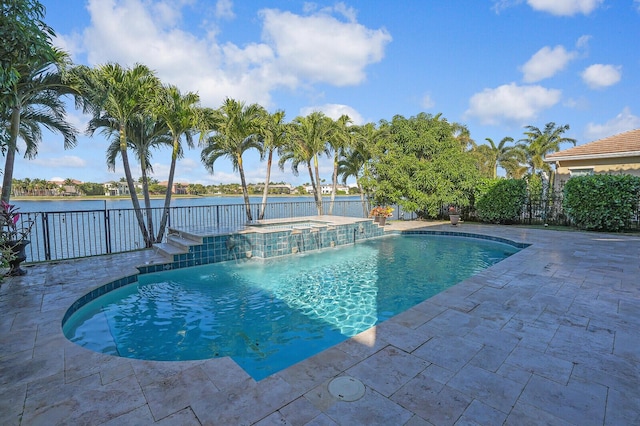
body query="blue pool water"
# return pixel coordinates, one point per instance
(270, 314)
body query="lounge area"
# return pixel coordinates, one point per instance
(547, 336)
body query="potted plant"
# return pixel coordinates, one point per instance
(13, 237)
(454, 216)
(380, 214)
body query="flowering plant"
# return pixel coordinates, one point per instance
(381, 212)
(9, 230)
(452, 210)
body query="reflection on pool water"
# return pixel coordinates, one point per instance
(268, 315)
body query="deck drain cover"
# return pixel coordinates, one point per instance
(346, 388)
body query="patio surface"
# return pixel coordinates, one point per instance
(548, 336)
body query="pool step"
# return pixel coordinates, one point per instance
(168, 249)
(183, 238)
(183, 241)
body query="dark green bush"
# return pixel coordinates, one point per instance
(501, 200)
(602, 202)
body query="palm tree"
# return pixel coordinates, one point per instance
(351, 165)
(462, 134)
(32, 102)
(359, 157)
(116, 96)
(514, 163)
(309, 138)
(497, 154)
(539, 143)
(180, 113)
(237, 128)
(144, 133)
(340, 138)
(274, 138)
(533, 148)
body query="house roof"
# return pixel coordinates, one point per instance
(625, 144)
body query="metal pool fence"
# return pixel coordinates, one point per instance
(72, 234)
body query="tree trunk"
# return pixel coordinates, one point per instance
(319, 188)
(10, 158)
(245, 191)
(147, 200)
(266, 186)
(132, 190)
(365, 209)
(334, 182)
(313, 185)
(167, 196)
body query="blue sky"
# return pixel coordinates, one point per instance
(493, 65)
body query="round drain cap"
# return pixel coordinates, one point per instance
(346, 388)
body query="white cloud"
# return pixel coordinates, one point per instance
(579, 103)
(555, 7)
(620, 123)
(598, 76)
(320, 48)
(427, 101)
(511, 103)
(500, 5)
(583, 41)
(335, 111)
(565, 7)
(545, 63)
(296, 50)
(64, 162)
(224, 9)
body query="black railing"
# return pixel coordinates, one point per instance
(72, 234)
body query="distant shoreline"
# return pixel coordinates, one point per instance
(153, 197)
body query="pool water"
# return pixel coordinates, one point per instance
(268, 315)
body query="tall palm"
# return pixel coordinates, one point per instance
(365, 139)
(180, 113)
(31, 103)
(539, 143)
(144, 133)
(341, 137)
(351, 165)
(462, 134)
(309, 138)
(115, 96)
(274, 138)
(237, 128)
(514, 164)
(498, 153)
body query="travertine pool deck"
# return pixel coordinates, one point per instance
(550, 335)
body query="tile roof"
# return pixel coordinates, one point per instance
(620, 145)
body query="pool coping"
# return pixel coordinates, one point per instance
(543, 321)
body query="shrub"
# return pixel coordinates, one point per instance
(602, 202)
(501, 200)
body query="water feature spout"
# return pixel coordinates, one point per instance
(313, 233)
(231, 243)
(297, 235)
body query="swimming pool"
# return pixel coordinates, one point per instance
(270, 314)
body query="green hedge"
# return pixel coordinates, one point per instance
(602, 202)
(501, 200)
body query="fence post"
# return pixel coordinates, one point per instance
(47, 243)
(107, 229)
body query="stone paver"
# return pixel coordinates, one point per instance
(547, 336)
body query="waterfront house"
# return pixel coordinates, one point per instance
(113, 189)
